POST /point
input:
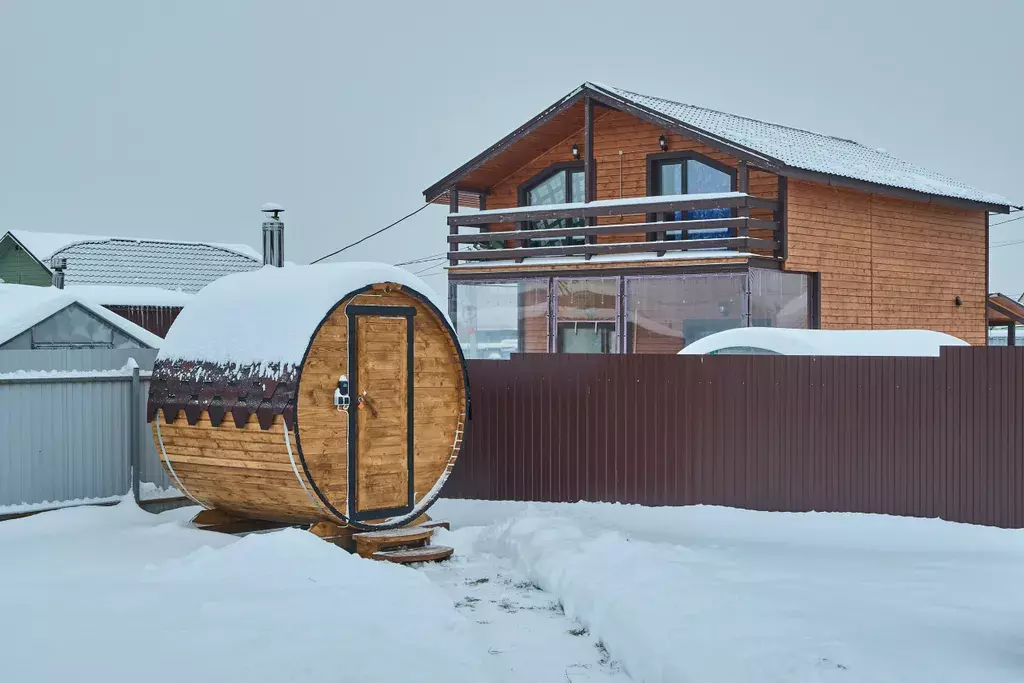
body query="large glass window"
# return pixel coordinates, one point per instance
(779, 299)
(587, 312)
(665, 313)
(686, 175)
(494, 320)
(564, 185)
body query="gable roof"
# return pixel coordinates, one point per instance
(166, 264)
(782, 149)
(26, 305)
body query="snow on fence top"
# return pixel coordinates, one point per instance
(826, 342)
(269, 315)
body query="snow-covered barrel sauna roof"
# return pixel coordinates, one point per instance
(236, 349)
(268, 316)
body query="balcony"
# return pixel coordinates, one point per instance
(767, 234)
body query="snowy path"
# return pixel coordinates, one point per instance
(522, 627)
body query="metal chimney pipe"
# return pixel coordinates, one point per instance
(273, 235)
(58, 264)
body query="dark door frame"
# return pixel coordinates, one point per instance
(354, 311)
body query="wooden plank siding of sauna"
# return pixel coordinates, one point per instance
(616, 131)
(236, 470)
(889, 263)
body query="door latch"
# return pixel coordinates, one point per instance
(342, 401)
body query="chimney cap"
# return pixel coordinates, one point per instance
(271, 207)
(58, 263)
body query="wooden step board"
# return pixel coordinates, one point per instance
(371, 542)
(426, 553)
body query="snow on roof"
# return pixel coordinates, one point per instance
(45, 244)
(124, 295)
(269, 315)
(809, 151)
(788, 342)
(22, 306)
(185, 266)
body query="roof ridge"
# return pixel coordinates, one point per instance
(221, 246)
(744, 117)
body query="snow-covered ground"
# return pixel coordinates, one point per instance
(714, 595)
(536, 592)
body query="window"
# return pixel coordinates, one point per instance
(689, 173)
(664, 313)
(496, 319)
(76, 328)
(587, 312)
(559, 184)
(780, 299)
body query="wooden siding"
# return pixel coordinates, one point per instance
(17, 267)
(889, 263)
(620, 175)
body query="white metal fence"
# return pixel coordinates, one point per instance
(70, 436)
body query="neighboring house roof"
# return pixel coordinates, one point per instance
(789, 342)
(1003, 310)
(165, 264)
(124, 295)
(24, 306)
(781, 149)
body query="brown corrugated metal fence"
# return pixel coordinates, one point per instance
(929, 437)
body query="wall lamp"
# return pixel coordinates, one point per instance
(663, 143)
(575, 151)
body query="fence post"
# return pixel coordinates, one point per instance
(133, 433)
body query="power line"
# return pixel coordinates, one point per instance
(372, 234)
(1006, 221)
(433, 257)
(1006, 244)
(425, 270)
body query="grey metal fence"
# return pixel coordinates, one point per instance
(70, 436)
(75, 359)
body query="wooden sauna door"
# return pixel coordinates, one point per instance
(380, 444)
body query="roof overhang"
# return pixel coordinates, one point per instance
(438, 192)
(1003, 310)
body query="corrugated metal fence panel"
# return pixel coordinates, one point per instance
(930, 437)
(63, 441)
(75, 359)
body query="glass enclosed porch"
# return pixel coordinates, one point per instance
(622, 314)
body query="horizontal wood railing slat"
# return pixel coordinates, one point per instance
(741, 243)
(620, 229)
(598, 209)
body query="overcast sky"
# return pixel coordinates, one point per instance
(179, 119)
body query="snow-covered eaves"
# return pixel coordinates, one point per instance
(125, 295)
(23, 306)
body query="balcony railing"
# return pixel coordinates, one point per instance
(738, 227)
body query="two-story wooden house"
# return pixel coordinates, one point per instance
(621, 223)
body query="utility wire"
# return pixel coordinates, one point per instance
(425, 270)
(1009, 220)
(372, 234)
(433, 257)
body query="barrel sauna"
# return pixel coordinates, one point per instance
(301, 394)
